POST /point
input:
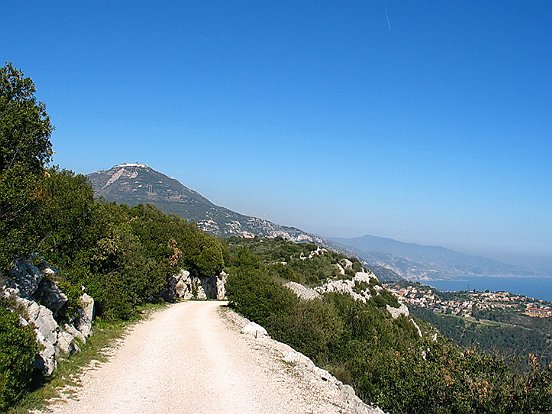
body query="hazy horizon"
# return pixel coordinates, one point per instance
(426, 122)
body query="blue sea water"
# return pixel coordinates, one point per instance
(533, 287)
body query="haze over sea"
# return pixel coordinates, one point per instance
(533, 287)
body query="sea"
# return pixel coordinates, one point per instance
(533, 287)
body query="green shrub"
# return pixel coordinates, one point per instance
(257, 296)
(312, 327)
(18, 349)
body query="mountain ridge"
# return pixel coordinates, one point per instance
(134, 183)
(418, 262)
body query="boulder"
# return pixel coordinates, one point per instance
(74, 332)
(49, 295)
(254, 329)
(221, 285)
(183, 285)
(46, 361)
(42, 318)
(199, 289)
(34, 292)
(66, 343)
(26, 278)
(87, 303)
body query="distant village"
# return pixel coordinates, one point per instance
(466, 302)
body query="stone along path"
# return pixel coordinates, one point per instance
(191, 358)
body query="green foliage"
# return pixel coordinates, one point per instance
(312, 327)
(384, 359)
(65, 215)
(361, 287)
(291, 261)
(257, 295)
(24, 124)
(17, 353)
(24, 149)
(506, 332)
(384, 298)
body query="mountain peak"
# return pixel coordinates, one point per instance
(133, 183)
(130, 164)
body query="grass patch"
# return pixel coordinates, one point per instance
(67, 375)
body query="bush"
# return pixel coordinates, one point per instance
(18, 351)
(258, 296)
(312, 327)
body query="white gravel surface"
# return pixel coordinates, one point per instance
(191, 358)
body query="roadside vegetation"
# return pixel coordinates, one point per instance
(123, 257)
(384, 359)
(67, 374)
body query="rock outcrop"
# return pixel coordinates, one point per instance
(254, 329)
(361, 287)
(185, 285)
(301, 291)
(349, 286)
(40, 300)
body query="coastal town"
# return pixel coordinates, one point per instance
(465, 303)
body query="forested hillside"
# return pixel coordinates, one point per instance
(124, 256)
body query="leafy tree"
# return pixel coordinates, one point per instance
(25, 148)
(65, 216)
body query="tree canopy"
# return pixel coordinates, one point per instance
(25, 148)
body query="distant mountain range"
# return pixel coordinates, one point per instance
(134, 184)
(416, 262)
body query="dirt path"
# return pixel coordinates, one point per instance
(189, 358)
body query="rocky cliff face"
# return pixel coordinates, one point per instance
(32, 291)
(184, 285)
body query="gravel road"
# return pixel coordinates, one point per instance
(191, 358)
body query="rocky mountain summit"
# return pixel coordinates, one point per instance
(134, 184)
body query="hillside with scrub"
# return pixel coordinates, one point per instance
(320, 302)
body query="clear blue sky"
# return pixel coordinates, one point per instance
(425, 121)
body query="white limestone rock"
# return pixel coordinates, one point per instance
(396, 312)
(42, 318)
(46, 362)
(254, 329)
(87, 303)
(221, 285)
(74, 332)
(364, 277)
(301, 291)
(346, 264)
(186, 286)
(66, 343)
(200, 290)
(86, 315)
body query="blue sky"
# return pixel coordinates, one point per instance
(435, 128)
